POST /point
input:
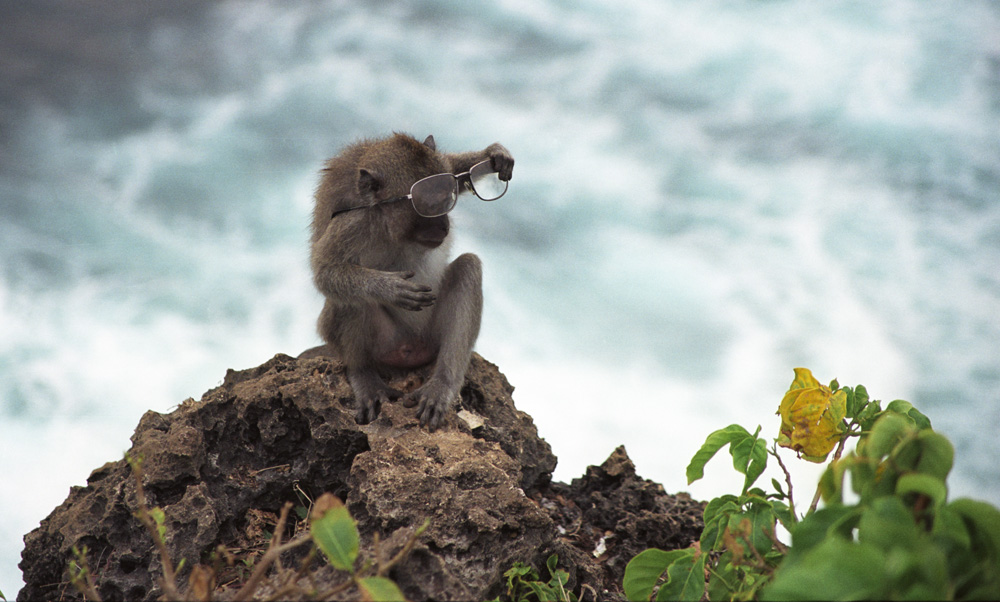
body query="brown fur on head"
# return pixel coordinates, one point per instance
(370, 171)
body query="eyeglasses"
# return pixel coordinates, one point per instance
(436, 195)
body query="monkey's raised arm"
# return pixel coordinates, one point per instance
(500, 158)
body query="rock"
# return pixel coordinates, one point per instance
(222, 468)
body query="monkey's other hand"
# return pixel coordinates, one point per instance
(433, 402)
(501, 160)
(398, 289)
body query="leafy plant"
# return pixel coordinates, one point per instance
(900, 538)
(332, 529)
(523, 583)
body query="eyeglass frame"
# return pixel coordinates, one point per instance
(460, 179)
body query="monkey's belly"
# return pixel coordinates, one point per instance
(409, 354)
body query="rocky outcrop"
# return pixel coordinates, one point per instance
(221, 469)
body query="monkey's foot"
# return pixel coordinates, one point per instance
(369, 405)
(433, 401)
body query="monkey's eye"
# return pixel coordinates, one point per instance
(434, 195)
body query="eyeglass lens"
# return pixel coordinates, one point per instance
(435, 195)
(486, 183)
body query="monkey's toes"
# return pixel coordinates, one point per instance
(431, 412)
(367, 411)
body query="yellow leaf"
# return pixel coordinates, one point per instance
(812, 417)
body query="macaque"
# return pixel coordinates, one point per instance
(393, 299)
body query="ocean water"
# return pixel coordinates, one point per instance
(707, 194)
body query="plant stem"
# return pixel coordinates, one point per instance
(274, 550)
(169, 581)
(788, 481)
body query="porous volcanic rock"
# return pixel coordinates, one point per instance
(222, 468)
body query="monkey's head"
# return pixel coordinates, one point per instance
(387, 170)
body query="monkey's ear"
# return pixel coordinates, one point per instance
(429, 142)
(369, 182)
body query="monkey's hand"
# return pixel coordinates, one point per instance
(433, 401)
(397, 288)
(501, 160)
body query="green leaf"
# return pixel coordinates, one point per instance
(888, 430)
(750, 458)
(867, 414)
(520, 570)
(861, 399)
(160, 519)
(949, 526)
(851, 405)
(831, 484)
(923, 484)
(733, 433)
(380, 589)
(818, 526)
(542, 591)
(937, 454)
(906, 408)
(685, 580)
(336, 533)
(983, 521)
(716, 517)
(550, 563)
(762, 521)
(643, 572)
(834, 570)
(887, 524)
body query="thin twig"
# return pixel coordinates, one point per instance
(274, 550)
(254, 473)
(788, 481)
(407, 548)
(169, 580)
(333, 591)
(290, 584)
(774, 539)
(83, 581)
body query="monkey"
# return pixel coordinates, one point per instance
(392, 298)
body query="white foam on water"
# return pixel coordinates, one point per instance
(706, 196)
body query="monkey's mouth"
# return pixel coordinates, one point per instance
(431, 231)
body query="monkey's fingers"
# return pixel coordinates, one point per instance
(416, 300)
(502, 162)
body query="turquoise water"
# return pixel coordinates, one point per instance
(707, 195)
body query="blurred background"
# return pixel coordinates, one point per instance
(707, 194)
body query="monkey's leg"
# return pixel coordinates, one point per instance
(455, 324)
(351, 331)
